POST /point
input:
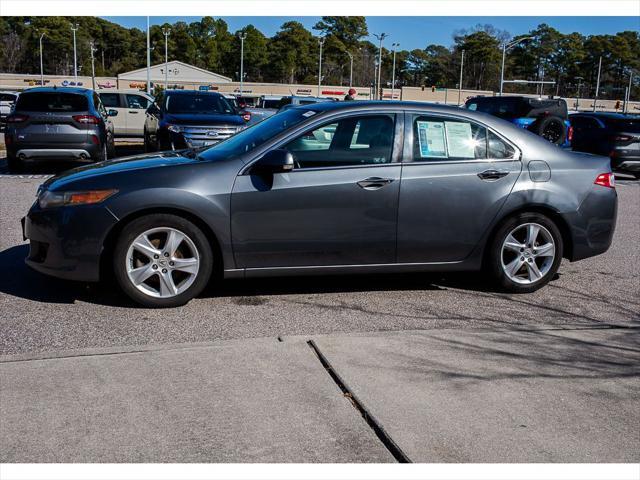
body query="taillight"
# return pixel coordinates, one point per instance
(570, 134)
(17, 118)
(606, 180)
(95, 139)
(86, 119)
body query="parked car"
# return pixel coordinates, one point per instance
(546, 117)
(270, 102)
(293, 101)
(51, 123)
(614, 135)
(335, 187)
(188, 118)
(131, 106)
(7, 102)
(266, 106)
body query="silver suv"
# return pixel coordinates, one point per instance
(50, 123)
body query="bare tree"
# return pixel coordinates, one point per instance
(12, 52)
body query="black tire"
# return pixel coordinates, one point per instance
(111, 146)
(14, 165)
(101, 155)
(147, 143)
(138, 226)
(551, 128)
(494, 257)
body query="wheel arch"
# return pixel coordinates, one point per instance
(110, 240)
(547, 211)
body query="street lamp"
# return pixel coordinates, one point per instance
(166, 32)
(380, 37)
(74, 28)
(460, 84)
(505, 47)
(393, 74)
(41, 67)
(350, 70)
(578, 92)
(93, 50)
(595, 99)
(321, 42)
(242, 36)
(148, 57)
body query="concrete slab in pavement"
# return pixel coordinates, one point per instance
(547, 395)
(238, 401)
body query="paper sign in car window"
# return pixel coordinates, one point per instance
(431, 139)
(309, 113)
(460, 143)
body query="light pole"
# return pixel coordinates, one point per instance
(74, 28)
(93, 49)
(505, 47)
(460, 84)
(380, 37)
(148, 58)
(321, 42)
(350, 70)
(166, 32)
(242, 36)
(41, 67)
(393, 74)
(578, 92)
(628, 95)
(595, 99)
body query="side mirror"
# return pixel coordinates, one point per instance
(112, 113)
(274, 161)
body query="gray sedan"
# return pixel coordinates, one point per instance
(351, 187)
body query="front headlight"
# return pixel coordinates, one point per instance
(48, 199)
(174, 128)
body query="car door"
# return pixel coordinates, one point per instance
(338, 206)
(135, 108)
(456, 176)
(112, 100)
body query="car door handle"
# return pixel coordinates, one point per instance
(374, 183)
(492, 174)
(133, 111)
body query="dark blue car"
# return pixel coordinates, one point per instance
(546, 117)
(188, 119)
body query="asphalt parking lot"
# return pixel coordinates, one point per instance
(447, 369)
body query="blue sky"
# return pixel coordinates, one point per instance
(417, 32)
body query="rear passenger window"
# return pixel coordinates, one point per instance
(110, 100)
(137, 101)
(499, 148)
(436, 139)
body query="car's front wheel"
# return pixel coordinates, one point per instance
(525, 253)
(162, 260)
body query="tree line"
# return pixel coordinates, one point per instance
(291, 55)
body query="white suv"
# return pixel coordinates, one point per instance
(131, 106)
(7, 101)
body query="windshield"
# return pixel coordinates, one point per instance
(253, 137)
(198, 103)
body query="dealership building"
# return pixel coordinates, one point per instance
(180, 75)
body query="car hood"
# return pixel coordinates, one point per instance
(118, 165)
(202, 119)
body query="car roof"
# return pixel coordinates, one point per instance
(115, 90)
(611, 115)
(78, 90)
(375, 104)
(192, 92)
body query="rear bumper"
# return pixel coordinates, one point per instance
(626, 164)
(39, 152)
(594, 223)
(67, 242)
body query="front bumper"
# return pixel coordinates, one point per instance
(67, 242)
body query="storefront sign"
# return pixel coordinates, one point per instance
(333, 92)
(303, 91)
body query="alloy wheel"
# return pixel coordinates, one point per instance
(162, 262)
(528, 252)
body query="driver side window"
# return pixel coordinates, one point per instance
(360, 140)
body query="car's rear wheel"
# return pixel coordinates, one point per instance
(525, 253)
(162, 260)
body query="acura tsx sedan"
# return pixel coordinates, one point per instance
(339, 187)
